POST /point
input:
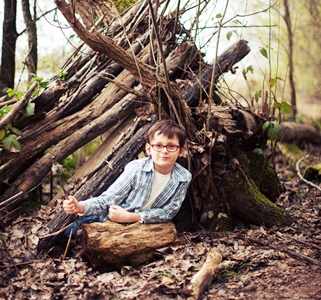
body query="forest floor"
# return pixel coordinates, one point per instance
(258, 263)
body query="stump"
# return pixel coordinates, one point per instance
(109, 245)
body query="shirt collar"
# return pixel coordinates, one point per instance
(177, 170)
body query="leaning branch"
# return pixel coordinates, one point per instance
(18, 107)
(104, 44)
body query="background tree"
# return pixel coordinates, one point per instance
(31, 28)
(9, 38)
(288, 22)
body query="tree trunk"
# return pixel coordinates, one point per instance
(9, 37)
(288, 22)
(31, 27)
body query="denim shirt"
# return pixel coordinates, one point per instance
(133, 187)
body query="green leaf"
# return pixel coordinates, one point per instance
(11, 143)
(273, 133)
(29, 109)
(63, 74)
(16, 131)
(277, 105)
(222, 215)
(250, 69)
(218, 16)
(10, 92)
(4, 111)
(258, 151)
(39, 79)
(276, 125)
(265, 125)
(285, 107)
(237, 22)
(264, 52)
(228, 35)
(272, 82)
(44, 83)
(245, 71)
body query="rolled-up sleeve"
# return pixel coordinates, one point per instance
(115, 194)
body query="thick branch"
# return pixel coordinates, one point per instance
(204, 277)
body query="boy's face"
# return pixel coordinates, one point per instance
(164, 160)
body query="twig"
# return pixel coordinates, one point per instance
(56, 232)
(12, 101)
(9, 213)
(297, 167)
(16, 196)
(121, 86)
(67, 246)
(284, 249)
(280, 235)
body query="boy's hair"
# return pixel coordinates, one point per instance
(168, 128)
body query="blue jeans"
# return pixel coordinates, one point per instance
(82, 220)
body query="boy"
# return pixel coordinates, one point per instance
(150, 190)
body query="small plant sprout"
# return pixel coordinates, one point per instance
(63, 74)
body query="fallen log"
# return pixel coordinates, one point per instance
(204, 277)
(110, 245)
(298, 133)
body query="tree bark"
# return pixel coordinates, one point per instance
(288, 22)
(200, 83)
(31, 27)
(204, 277)
(299, 134)
(105, 11)
(9, 38)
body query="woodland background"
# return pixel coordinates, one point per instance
(279, 62)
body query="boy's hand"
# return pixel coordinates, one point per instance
(119, 215)
(72, 206)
